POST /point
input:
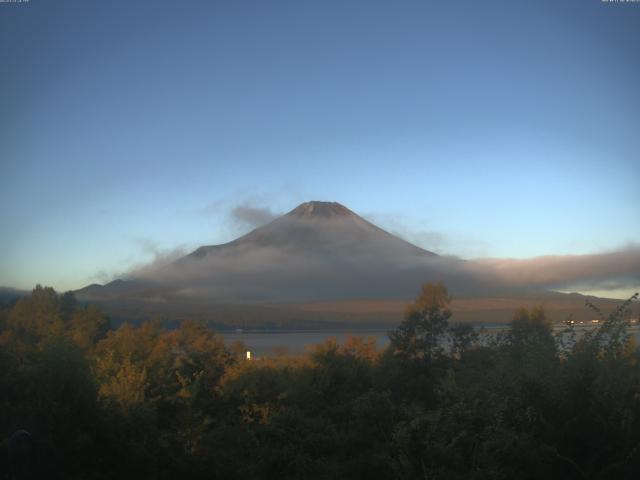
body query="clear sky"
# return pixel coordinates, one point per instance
(475, 128)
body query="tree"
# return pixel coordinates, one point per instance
(425, 323)
(462, 336)
(37, 316)
(68, 305)
(87, 326)
(530, 329)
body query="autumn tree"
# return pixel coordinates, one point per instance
(425, 323)
(37, 316)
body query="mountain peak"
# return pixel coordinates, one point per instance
(317, 209)
(316, 227)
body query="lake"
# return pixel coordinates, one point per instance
(294, 342)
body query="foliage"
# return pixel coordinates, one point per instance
(148, 402)
(425, 323)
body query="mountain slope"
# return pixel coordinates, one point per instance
(319, 227)
(317, 251)
(320, 261)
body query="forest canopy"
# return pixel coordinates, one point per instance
(79, 399)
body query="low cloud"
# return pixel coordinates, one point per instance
(235, 218)
(613, 270)
(160, 257)
(282, 273)
(103, 276)
(252, 217)
(419, 233)
(292, 260)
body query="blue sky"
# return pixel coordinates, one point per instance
(479, 129)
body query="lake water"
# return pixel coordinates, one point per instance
(297, 341)
(294, 342)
